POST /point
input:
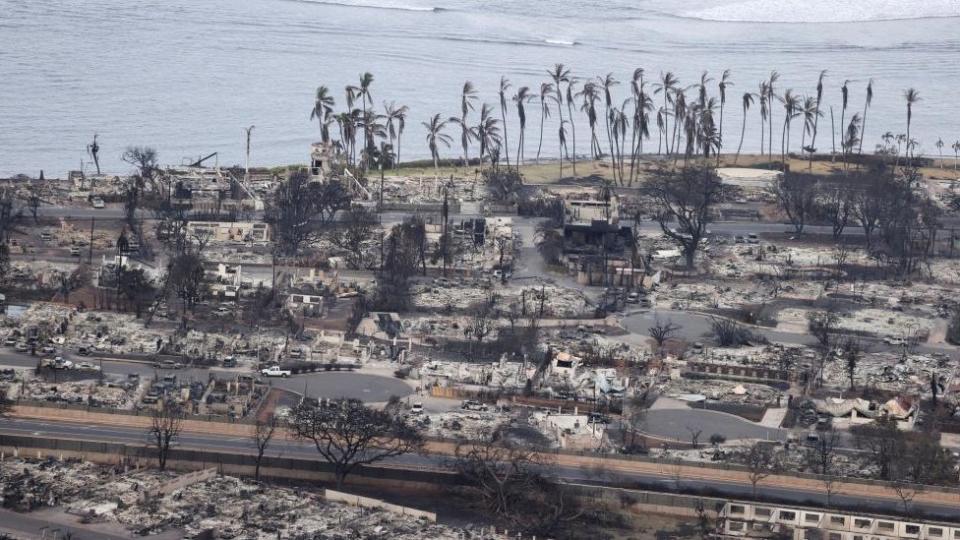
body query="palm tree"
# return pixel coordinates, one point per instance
(366, 79)
(546, 89)
(816, 117)
(436, 137)
(487, 132)
(661, 114)
(504, 86)
(851, 137)
(722, 85)
(560, 75)
(322, 109)
(562, 136)
(573, 128)
(702, 94)
(866, 105)
(667, 85)
(401, 126)
(746, 102)
(589, 106)
(375, 129)
(618, 130)
(956, 154)
(395, 117)
(845, 97)
(608, 83)
(809, 110)
(939, 146)
(642, 104)
(467, 96)
(771, 94)
(522, 97)
(350, 92)
(679, 113)
(764, 112)
(911, 96)
(790, 105)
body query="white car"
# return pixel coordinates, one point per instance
(98, 203)
(275, 371)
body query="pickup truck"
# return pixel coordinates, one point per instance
(275, 371)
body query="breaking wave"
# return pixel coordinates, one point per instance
(565, 43)
(377, 5)
(822, 11)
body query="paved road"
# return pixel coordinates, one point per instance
(666, 481)
(327, 384)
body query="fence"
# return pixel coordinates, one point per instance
(288, 468)
(127, 412)
(367, 502)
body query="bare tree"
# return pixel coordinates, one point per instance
(300, 209)
(662, 331)
(694, 436)
(187, 278)
(884, 446)
(166, 421)
(348, 434)
(906, 492)
(761, 461)
(502, 244)
(685, 198)
(5, 403)
(511, 481)
(263, 431)
(33, 203)
(131, 201)
(823, 326)
(144, 158)
(797, 195)
(504, 185)
(356, 235)
(836, 203)
(851, 350)
(729, 333)
(483, 322)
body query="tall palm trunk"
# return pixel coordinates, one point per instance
(506, 142)
(833, 137)
(763, 133)
(520, 148)
(720, 144)
(666, 120)
(573, 135)
(543, 116)
(613, 154)
(770, 129)
(743, 132)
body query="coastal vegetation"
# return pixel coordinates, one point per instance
(687, 122)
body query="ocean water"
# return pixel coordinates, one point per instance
(188, 76)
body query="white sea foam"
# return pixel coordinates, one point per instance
(822, 11)
(560, 42)
(377, 5)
